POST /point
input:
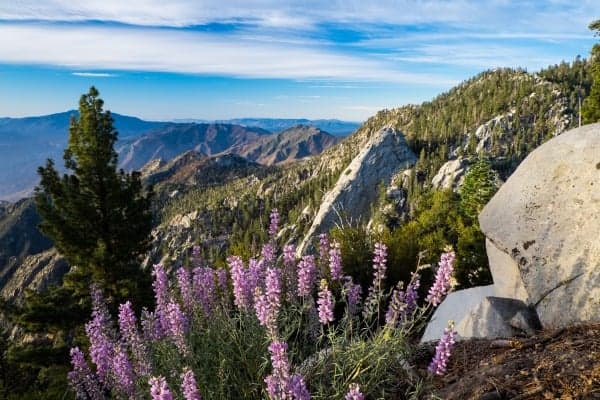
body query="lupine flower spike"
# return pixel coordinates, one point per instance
(439, 364)
(98, 332)
(189, 388)
(159, 390)
(335, 262)
(306, 276)
(161, 294)
(354, 393)
(403, 304)
(123, 372)
(325, 303)
(278, 380)
(82, 379)
(443, 278)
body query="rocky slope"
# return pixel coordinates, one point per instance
(255, 144)
(351, 198)
(19, 239)
(290, 145)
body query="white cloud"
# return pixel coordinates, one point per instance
(94, 74)
(491, 15)
(169, 50)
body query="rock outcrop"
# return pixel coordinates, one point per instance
(385, 154)
(36, 272)
(451, 174)
(545, 220)
(19, 237)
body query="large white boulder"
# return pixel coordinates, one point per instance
(479, 313)
(543, 228)
(455, 307)
(498, 317)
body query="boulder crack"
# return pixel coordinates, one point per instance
(562, 283)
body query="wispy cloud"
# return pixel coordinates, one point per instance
(294, 39)
(94, 74)
(492, 15)
(171, 50)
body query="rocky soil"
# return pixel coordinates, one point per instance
(555, 364)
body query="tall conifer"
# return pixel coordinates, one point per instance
(98, 217)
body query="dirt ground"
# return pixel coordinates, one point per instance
(560, 364)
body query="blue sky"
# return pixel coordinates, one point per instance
(212, 59)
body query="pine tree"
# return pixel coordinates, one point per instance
(98, 217)
(478, 188)
(590, 110)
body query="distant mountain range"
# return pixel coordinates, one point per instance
(25, 143)
(333, 126)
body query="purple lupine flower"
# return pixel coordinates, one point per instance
(397, 307)
(289, 269)
(306, 275)
(323, 247)
(443, 276)
(101, 353)
(177, 325)
(98, 331)
(159, 390)
(256, 275)
(443, 350)
(131, 336)
(335, 262)
(267, 305)
(325, 304)
(99, 309)
(189, 388)
(184, 283)
(403, 303)
(379, 264)
(261, 307)
(222, 280)
(196, 256)
(279, 359)
(353, 295)
(297, 387)
(373, 300)
(274, 223)
(127, 322)
(277, 382)
(354, 393)
(203, 284)
(289, 255)
(268, 254)
(123, 372)
(273, 288)
(239, 282)
(161, 293)
(151, 329)
(82, 379)
(411, 296)
(323, 263)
